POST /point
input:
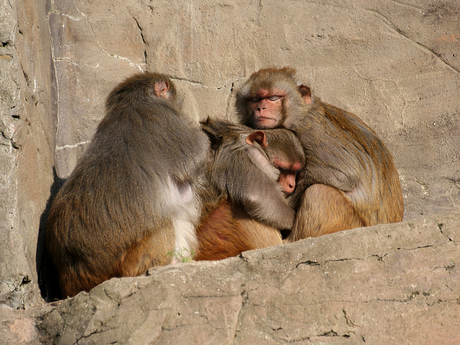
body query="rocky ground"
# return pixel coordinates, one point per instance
(387, 284)
(393, 63)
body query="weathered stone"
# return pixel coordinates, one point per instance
(26, 145)
(94, 47)
(394, 64)
(397, 283)
(19, 327)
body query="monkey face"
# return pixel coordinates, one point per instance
(267, 108)
(287, 181)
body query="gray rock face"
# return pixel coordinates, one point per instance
(394, 64)
(388, 284)
(27, 130)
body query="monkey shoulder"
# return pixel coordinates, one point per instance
(358, 152)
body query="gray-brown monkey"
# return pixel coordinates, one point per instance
(350, 179)
(133, 197)
(249, 167)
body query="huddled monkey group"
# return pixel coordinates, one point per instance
(153, 183)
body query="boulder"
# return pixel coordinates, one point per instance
(394, 64)
(386, 284)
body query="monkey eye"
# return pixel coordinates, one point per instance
(274, 97)
(284, 171)
(271, 98)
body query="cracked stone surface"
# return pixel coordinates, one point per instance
(27, 129)
(388, 284)
(393, 63)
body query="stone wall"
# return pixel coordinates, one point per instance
(27, 127)
(388, 284)
(394, 64)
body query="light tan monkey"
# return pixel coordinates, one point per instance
(349, 180)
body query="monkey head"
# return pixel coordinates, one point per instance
(142, 87)
(271, 97)
(283, 152)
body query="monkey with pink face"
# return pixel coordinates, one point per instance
(349, 179)
(253, 173)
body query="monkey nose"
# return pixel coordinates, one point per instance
(261, 105)
(289, 189)
(287, 183)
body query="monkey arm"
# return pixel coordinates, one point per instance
(245, 173)
(260, 197)
(269, 206)
(339, 147)
(246, 185)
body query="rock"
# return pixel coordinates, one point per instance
(386, 284)
(27, 127)
(393, 64)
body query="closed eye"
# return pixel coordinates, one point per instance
(287, 171)
(271, 98)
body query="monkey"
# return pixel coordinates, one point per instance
(133, 197)
(349, 180)
(249, 166)
(243, 153)
(228, 231)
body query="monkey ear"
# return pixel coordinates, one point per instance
(214, 130)
(161, 89)
(306, 93)
(258, 137)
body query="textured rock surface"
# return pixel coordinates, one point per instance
(388, 284)
(395, 64)
(27, 132)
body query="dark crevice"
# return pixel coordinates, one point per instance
(308, 263)
(440, 227)
(26, 280)
(332, 333)
(143, 39)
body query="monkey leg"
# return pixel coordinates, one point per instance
(228, 231)
(77, 278)
(323, 210)
(155, 249)
(221, 236)
(260, 235)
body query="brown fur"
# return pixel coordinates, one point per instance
(114, 216)
(244, 208)
(228, 231)
(324, 210)
(342, 153)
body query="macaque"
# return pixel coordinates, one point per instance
(350, 179)
(249, 167)
(132, 199)
(228, 231)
